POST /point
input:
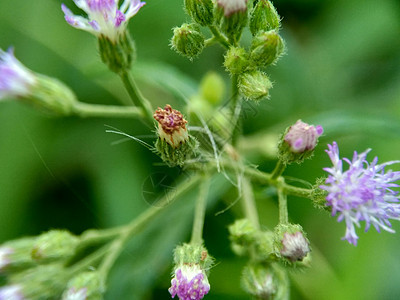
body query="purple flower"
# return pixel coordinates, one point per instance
(303, 137)
(15, 79)
(189, 283)
(104, 17)
(361, 193)
(11, 292)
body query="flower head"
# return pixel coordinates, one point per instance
(189, 283)
(11, 292)
(103, 16)
(294, 246)
(361, 193)
(75, 294)
(15, 79)
(232, 6)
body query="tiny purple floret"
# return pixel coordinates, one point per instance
(364, 192)
(189, 283)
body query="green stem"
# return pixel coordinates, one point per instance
(136, 96)
(219, 36)
(210, 41)
(137, 224)
(249, 204)
(279, 168)
(200, 212)
(86, 110)
(236, 107)
(282, 198)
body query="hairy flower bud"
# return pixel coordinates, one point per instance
(201, 11)
(266, 48)
(174, 144)
(264, 17)
(265, 281)
(54, 245)
(235, 17)
(242, 234)
(298, 142)
(236, 60)
(190, 279)
(212, 88)
(15, 255)
(291, 243)
(87, 285)
(188, 40)
(254, 85)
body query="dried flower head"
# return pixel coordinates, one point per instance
(104, 16)
(15, 79)
(361, 193)
(171, 126)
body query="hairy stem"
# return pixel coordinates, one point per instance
(219, 36)
(248, 202)
(86, 110)
(282, 198)
(200, 211)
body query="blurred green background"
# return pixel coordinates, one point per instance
(341, 70)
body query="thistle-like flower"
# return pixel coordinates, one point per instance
(361, 193)
(232, 6)
(15, 79)
(11, 292)
(189, 283)
(104, 16)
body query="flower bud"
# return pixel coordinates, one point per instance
(254, 85)
(54, 245)
(298, 142)
(264, 17)
(87, 285)
(201, 11)
(236, 60)
(174, 144)
(188, 40)
(266, 48)
(291, 243)
(15, 255)
(117, 55)
(191, 264)
(242, 234)
(212, 88)
(265, 281)
(235, 18)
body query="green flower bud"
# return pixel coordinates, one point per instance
(254, 85)
(265, 281)
(201, 11)
(118, 56)
(192, 254)
(87, 285)
(298, 142)
(264, 17)
(212, 88)
(174, 144)
(266, 48)
(188, 40)
(54, 245)
(236, 60)
(242, 234)
(15, 255)
(318, 195)
(41, 282)
(291, 243)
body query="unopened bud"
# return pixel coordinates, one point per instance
(265, 281)
(212, 88)
(291, 243)
(298, 142)
(235, 17)
(54, 245)
(87, 285)
(188, 40)
(201, 11)
(242, 234)
(266, 48)
(174, 144)
(15, 255)
(119, 55)
(264, 17)
(236, 60)
(254, 85)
